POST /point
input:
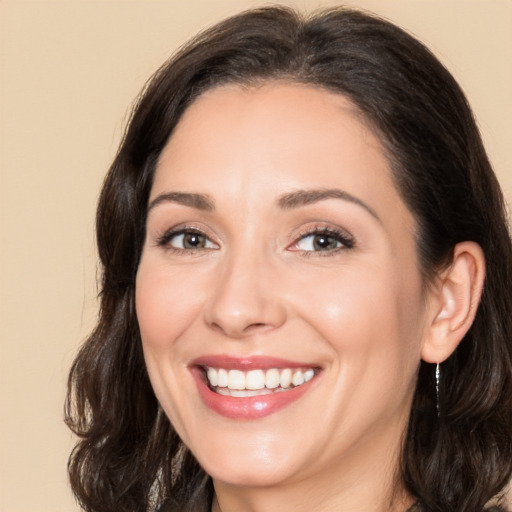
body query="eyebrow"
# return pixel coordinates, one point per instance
(198, 201)
(300, 198)
(289, 201)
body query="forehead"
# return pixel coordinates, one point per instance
(268, 127)
(282, 134)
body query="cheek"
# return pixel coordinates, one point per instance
(370, 315)
(166, 303)
(165, 309)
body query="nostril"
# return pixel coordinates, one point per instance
(257, 326)
(251, 328)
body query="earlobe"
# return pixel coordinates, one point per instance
(455, 302)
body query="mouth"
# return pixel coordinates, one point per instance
(250, 388)
(257, 382)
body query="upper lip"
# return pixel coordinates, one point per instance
(248, 363)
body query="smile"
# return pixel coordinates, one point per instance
(249, 388)
(257, 382)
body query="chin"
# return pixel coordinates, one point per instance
(256, 469)
(249, 477)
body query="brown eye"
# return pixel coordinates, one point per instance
(323, 242)
(193, 241)
(186, 241)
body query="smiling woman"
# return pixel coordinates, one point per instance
(306, 284)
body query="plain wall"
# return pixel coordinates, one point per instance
(68, 72)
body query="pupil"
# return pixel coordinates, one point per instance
(324, 242)
(193, 240)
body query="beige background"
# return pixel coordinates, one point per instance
(69, 70)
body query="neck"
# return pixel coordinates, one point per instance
(285, 502)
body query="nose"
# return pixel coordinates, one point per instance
(246, 298)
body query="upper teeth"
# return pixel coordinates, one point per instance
(258, 379)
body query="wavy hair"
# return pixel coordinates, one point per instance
(128, 457)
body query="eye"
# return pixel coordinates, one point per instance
(319, 242)
(323, 240)
(186, 240)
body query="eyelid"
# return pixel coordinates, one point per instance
(339, 234)
(164, 239)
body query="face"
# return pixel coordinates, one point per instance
(278, 295)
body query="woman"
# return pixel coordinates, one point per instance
(306, 297)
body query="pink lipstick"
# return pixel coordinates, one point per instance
(252, 387)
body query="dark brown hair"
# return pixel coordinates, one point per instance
(128, 457)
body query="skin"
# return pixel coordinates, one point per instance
(359, 313)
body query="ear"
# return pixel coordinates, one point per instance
(454, 300)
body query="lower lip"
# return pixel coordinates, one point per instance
(251, 407)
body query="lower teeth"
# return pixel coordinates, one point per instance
(242, 393)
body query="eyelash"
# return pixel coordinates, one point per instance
(342, 237)
(166, 238)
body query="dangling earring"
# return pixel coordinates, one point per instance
(438, 378)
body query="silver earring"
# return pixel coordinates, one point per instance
(438, 378)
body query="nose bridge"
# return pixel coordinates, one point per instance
(245, 297)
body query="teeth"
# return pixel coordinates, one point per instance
(249, 392)
(272, 378)
(213, 376)
(298, 378)
(256, 382)
(236, 379)
(255, 379)
(222, 378)
(286, 378)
